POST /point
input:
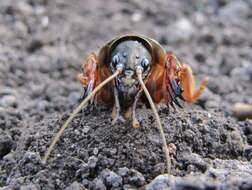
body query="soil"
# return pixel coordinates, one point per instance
(42, 45)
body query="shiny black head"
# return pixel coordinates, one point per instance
(130, 54)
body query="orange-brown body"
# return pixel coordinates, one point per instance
(167, 78)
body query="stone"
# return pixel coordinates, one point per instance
(83, 172)
(124, 171)
(6, 144)
(98, 184)
(96, 151)
(196, 160)
(75, 186)
(235, 11)
(29, 187)
(248, 152)
(34, 45)
(8, 91)
(249, 139)
(8, 101)
(137, 179)
(111, 178)
(129, 187)
(31, 163)
(43, 105)
(86, 129)
(24, 8)
(160, 182)
(32, 156)
(243, 72)
(182, 184)
(92, 161)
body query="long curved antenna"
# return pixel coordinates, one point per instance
(75, 112)
(165, 147)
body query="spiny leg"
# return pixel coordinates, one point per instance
(116, 109)
(187, 80)
(87, 79)
(171, 88)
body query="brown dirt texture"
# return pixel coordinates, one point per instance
(42, 45)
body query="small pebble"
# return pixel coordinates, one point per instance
(98, 184)
(96, 151)
(249, 139)
(136, 179)
(24, 8)
(83, 172)
(92, 162)
(86, 129)
(8, 101)
(29, 187)
(136, 17)
(160, 182)
(6, 144)
(9, 158)
(129, 187)
(123, 171)
(238, 8)
(111, 178)
(34, 45)
(75, 186)
(32, 157)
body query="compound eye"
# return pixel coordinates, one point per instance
(145, 63)
(115, 60)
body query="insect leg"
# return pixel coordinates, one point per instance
(87, 78)
(116, 109)
(171, 88)
(187, 80)
(135, 122)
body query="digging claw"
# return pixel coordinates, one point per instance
(136, 124)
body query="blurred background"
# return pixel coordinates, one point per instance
(42, 45)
